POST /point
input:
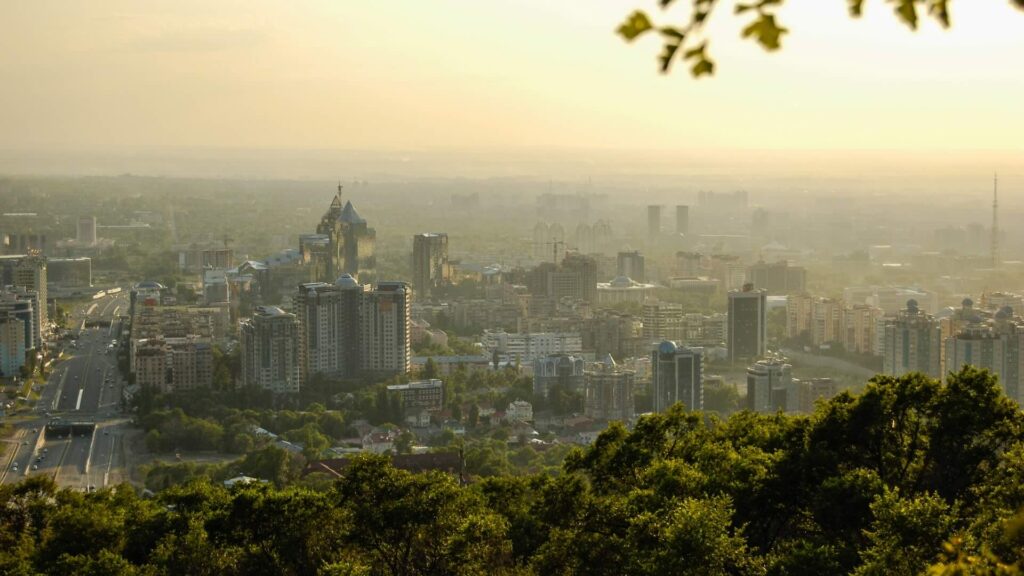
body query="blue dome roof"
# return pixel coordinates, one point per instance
(667, 347)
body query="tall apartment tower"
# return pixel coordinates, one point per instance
(682, 220)
(271, 358)
(86, 232)
(747, 333)
(430, 269)
(997, 345)
(913, 343)
(653, 222)
(12, 344)
(676, 376)
(30, 274)
(385, 314)
(631, 265)
(329, 323)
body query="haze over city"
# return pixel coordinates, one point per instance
(515, 287)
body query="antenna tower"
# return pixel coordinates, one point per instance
(995, 221)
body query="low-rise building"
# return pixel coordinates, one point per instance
(519, 411)
(422, 394)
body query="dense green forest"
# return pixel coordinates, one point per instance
(909, 477)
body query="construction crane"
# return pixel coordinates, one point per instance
(555, 244)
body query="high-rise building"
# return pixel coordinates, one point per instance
(430, 269)
(676, 376)
(820, 319)
(747, 333)
(913, 343)
(86, 232)
(631, 265)
(860, 324)
(28, 272)
(351, 242)
(682, 220)
(270, 346)
(662, 320)
(12, 345)
(563, 370)
(996, 345)
(328, 315)
(770, 386)
(653, 222)
(608, 391)
(384, 329)
(779, 278)
(24, 305)
(575, 277)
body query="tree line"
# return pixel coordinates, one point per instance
(910, 476)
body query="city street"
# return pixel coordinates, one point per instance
(84, 388)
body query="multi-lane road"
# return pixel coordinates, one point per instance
(85, 388)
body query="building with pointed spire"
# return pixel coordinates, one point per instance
(350, 243)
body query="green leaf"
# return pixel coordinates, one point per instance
(668, 52)
(695, 51)
(703, 67)
(940, 10)
(766, 32)
(907, 11)
(636, 24)
(673, 33)
(856, 8)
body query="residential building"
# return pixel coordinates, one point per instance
(270, 345)
(747, 331)
(28, 272)
(575, 277)
(676, 376)
(519, 411)
(608, 391)
(329, 319)
(12, 345)
(24, 305)
(527, 347)
(430, 268)
(612, 333)
(563, 370)
(420, 395)
(173, 364)
(662, 320)
(809, 391)
(819, 319)
(778, 278)
(860, 326)
(913, 343)
(86, 231)
(996, 345)
(385, 345)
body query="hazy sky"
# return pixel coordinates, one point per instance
(402, 74)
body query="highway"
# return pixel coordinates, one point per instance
(85, 387)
